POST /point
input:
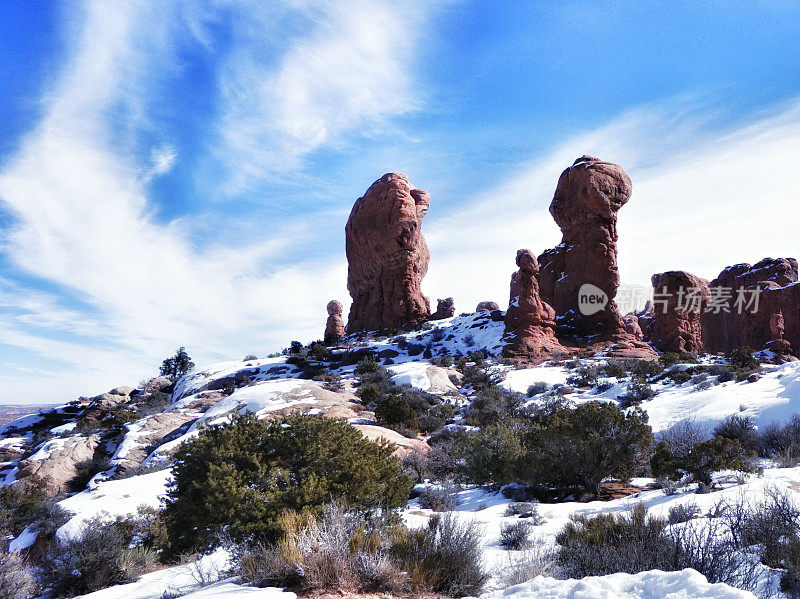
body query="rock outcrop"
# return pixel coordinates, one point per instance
(631, 322)
(680, 300)
(334, 327)
(445, 308)
(585, 204)
(777, 344)
(746, 299)
(387, 256)
(487, 306)
(530, 322)
(56, 462)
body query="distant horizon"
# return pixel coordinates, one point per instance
(180, 174)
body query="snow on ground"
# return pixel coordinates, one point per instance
(686, 584)
(259, 369)
(487, 510)
(179, 580)
(113, 498)
(234, 591)
(773, 398)
(259, 399)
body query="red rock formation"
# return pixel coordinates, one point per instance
(680, 299)
(334, 327)
(530, 322)
(387, 256)
(778, 345)
(771, 281)
(631, 322)
(487, 306)
(786, 301)
(588, 195)
(445, 308)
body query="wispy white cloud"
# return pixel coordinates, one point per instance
(351, 73)
(82, 219)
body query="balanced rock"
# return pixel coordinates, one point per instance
(588, 195)
(387, 256)
(334, 327)
(487, 306)
(681, 299)
(445, 308)
(530, 322)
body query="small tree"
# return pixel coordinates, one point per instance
(239, 477)
(579, 447)
(178, 365)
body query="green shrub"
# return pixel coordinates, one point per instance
(609, 543)
(636, 393)
(493, 404)
(86, 470)
(537, 388)
(515, 535)
(742, 358)
(99, 557)
(445, 557)
(585, 376)
(614, 368)
(491, 455)
(576, 448)
(741, 428)
(717, 454)
(680, 376)
(239, 477)
(667, 359)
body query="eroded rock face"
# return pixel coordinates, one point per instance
(631, 322)
(777, 344)
(334, 327)
(445, 308)
(681, 299)
(387, 256)
(487, 306)
(530, 322)
(588, 196)
(773, 282)
(56, 462)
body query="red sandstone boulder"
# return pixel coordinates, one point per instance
(387, 256)
(334, 327)
(680, 299)
(530, 322)
(487, 306)
(445, 308)
(588, 195)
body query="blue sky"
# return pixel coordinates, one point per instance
(180, 173)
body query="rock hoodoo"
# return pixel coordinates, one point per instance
(748, 297)
(387, 256)
(777, 344)
(445, 308)
(334, 327)
(487, 306)
(530, 322)
(680, 300)
(631, 322)
(588, 195)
